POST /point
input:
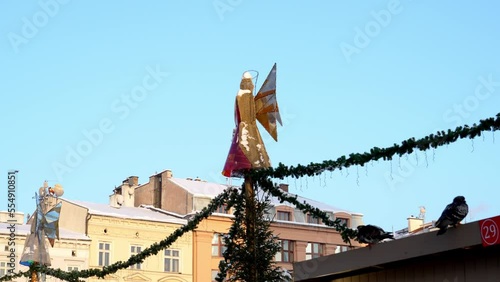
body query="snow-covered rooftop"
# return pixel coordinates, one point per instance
(319, 205)
(208, 189)
(200, 188)
(127, 212)
(150, 207)
(25, 229)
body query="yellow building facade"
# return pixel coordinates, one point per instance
(70, 252)
(117, 232)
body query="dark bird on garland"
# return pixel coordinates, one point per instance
(453, 214)
(371, 234)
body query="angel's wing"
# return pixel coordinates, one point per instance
(51, 223)
(37, 223)
(266, 106)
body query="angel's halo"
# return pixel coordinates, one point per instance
(255, 76)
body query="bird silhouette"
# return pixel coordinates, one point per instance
(372, 234)
(452, 214)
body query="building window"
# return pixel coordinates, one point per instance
(314, 250)
(222, 209)
(343, 221)
(3, 268)
(283, 215)
(341, 249)
(133, 251)
(311, 219)
(286, 252)
(218, 247)
(104, 251)
(171, 261)
(73, 268)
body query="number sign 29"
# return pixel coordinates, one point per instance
(490, 232)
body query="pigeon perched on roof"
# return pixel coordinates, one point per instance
(371, 234)
(452, 214)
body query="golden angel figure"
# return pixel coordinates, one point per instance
(247, 148)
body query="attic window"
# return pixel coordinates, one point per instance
(283, 215)
(222, 209)
(343, 221)
(311, 219)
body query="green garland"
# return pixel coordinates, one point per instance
(406, 147)
(138, 258)
(347, 233)
(441, 138)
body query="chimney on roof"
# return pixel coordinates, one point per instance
(123, 196)
(356, 220)
(414, 223)
(197, 179)
(284, 187)
(133, 181)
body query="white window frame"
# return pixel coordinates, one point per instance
(135, 249)
(310, 254)
(4, 267)
(101, 260)
(219, 245)
(171, 257)
(278, 257)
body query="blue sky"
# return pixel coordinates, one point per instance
(350, 77)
